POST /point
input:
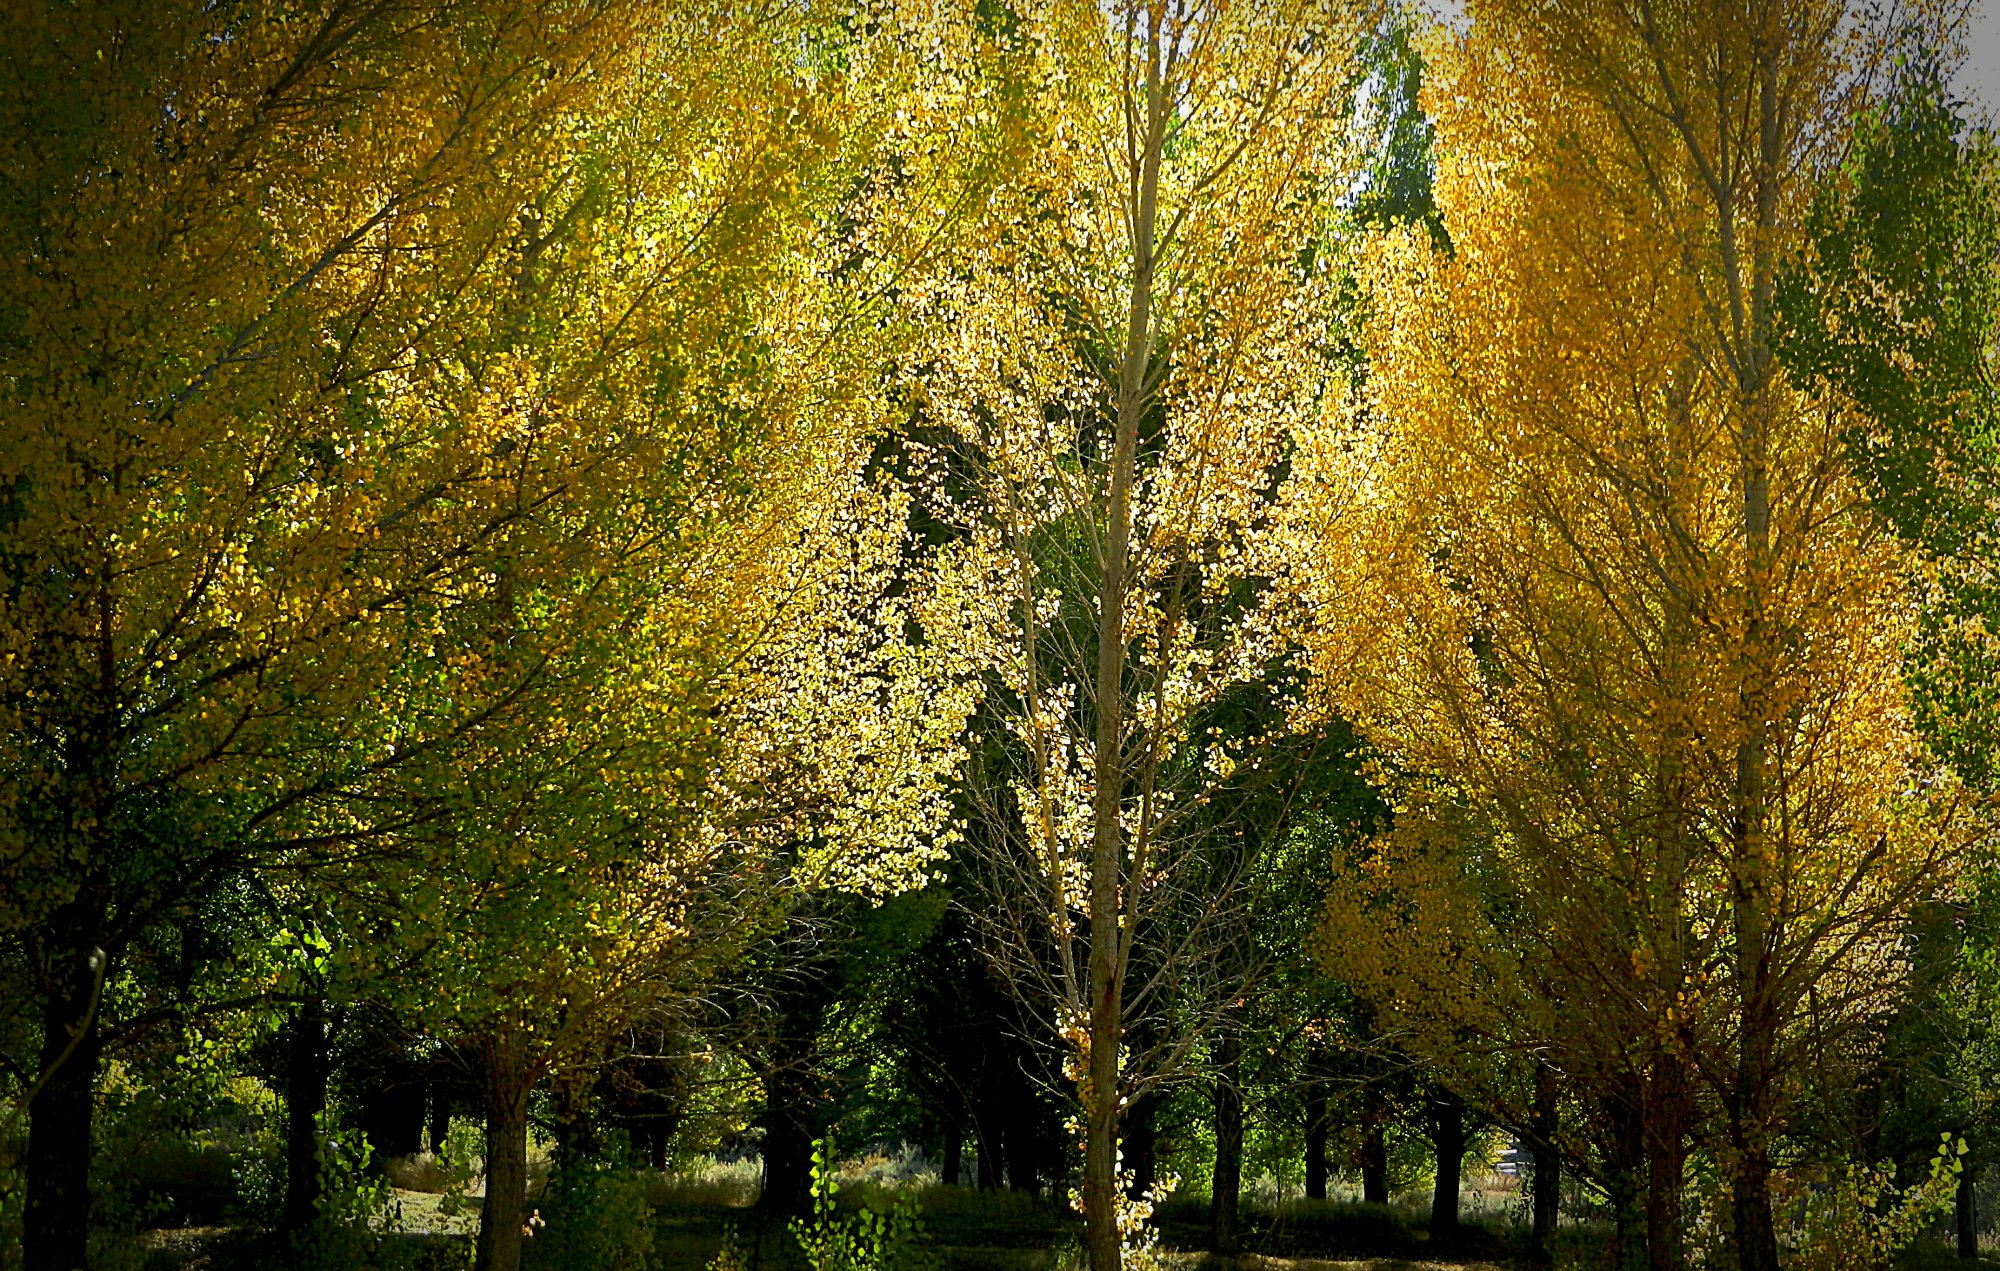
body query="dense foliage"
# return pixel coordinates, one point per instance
(1140, 603)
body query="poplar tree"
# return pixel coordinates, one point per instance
(1666, 808)
(1110, 363)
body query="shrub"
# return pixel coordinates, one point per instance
(597, 1215)
(864, 1240)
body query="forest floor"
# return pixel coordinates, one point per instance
(982, 1231)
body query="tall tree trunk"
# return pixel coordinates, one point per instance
(1226, 1194)
(1750, 1113)
(305, 1099)
(1109, 938)
(1316, 1130)
(1626, 1183)
(954, 1150)
(790, 1111)
(1548, 1168)
(56, 1220)
(1374, 1151)
(1448, 1138)
(1666, 1167)
(1966, 1212)
(505, 1207)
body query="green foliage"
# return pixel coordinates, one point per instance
(1857, 1218)
(864, 1240)
(13, 1195)
(1897, 307)
(359, 1215)
(1396, 185)
(462, 1145)
(598, 1216)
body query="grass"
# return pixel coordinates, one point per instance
(706, 1206)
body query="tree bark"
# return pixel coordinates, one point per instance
(1626, 1184)
(1448, 1139)
(788, 1139)
(1548, 1168)
(1966, 1213)
(505, 1209)
(1316, 1130)
(1374, 1153)
(305, 1099)
(1225, 1195)
(1751, 887)
(56, 1219)
(1666, 1167)
(954, 1151)
(1109, 939)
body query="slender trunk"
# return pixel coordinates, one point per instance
(1316, 1128)
(1548, 1168)
(1226, 1194)
(1966, 1216)
(1108, 936)
(1448, 1138)
(1752, 888)
(56, 1221)
(305, 1099)
(505, 1208)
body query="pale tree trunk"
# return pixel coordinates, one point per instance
(505, 1209)
(1110, 943)
(1750, 1113)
